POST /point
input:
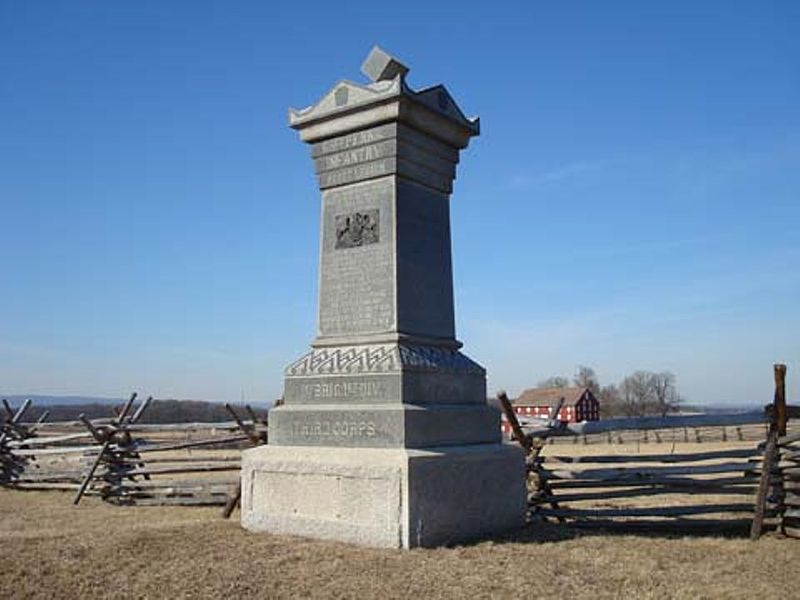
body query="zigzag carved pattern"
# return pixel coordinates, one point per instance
(438, 359)
(381, 359)
(353, 359)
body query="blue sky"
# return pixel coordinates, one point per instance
(632, 203)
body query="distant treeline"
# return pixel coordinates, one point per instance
(639, 394)
(159, 411)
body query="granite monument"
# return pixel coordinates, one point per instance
(384, 437)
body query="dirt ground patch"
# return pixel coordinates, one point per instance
(52, 549)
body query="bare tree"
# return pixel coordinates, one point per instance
(610, 403)
(645, 392)
(665, 395)
(554, 382)
(585, 377)
(636, 393)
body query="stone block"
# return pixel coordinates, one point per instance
(380, 66)
(383, 426)
(384, 373)
(390, 498)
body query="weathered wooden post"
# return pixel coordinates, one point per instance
(520, 436)
(780, 398)
(777, 416)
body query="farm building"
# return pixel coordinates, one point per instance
(580, 404)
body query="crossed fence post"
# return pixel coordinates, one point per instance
(115, 440)
(777, 415)
(532, 448)
(12, 430)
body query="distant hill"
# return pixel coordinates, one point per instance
(67, 408)
(39, 400)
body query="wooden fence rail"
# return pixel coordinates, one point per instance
(761, 483)
(125, 462)
(150, 427)
(538, 428)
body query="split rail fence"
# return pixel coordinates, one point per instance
(127, 462)
(722, 489)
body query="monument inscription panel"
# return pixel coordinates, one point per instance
(353, 140)
(357, 271)
(357, 388)
(357, 155)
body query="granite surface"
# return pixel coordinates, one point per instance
(384, 437)
(391, 498)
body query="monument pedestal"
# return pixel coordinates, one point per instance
(385, 437)
(384, 497)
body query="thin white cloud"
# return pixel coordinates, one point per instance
(203, 353)
(696, 167)
(565, 172)
(25, 350)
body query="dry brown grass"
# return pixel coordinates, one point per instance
(51, 549)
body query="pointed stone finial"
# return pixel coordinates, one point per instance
(380, 66)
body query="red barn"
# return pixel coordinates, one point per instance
(580, 404)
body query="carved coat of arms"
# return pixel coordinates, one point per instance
(357, 229)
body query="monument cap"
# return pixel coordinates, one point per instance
(380, 66)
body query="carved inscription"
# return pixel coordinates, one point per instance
(356, 286)
(335, 429)
(352, 140)
(349, 389)
(356, 292)
(358, 229)
(356, 156)
(355, 173)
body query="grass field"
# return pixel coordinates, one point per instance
(51, 549)
(54, 550)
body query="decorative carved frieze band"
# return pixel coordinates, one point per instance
(381, 358)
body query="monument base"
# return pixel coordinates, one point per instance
(391, 498)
